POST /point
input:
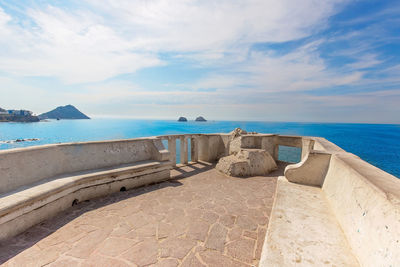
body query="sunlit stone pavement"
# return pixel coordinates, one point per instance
(200, 218)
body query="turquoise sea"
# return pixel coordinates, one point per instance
(379, 144)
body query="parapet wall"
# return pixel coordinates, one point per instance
(24, 166)
(364, 199)
(38, 182)
(214, 146)
(366, 202)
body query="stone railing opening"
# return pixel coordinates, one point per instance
(182, 148)
(289, 154)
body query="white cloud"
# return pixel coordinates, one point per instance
(185, 25)
(83, 46)
(72, 47)
(299, 70)
(108, 38)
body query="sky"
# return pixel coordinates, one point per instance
(259, 60)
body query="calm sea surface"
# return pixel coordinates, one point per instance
(376, 143)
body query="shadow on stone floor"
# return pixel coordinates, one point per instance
(193, 168)
(190, 169)
(278, 172)
(15, 245)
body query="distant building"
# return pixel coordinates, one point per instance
(19, 112)
(26, 113)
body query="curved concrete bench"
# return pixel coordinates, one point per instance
(310, 170)
(333, 208)
(72, 173)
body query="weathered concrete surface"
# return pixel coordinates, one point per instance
(53, 177)
(41, 201)
(42, 162)
(206, 219)
(366, 202)
(311, 170)
(247, 162)
(364, 199)
(303, 230)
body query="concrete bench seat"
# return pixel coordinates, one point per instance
(42, 197)
(334, 209)
(43, 192)
(303, 230)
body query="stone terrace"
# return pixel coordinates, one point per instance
(199, 218)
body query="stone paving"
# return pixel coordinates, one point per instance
(200, 218)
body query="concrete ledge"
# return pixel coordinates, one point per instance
(17, 203)
(37, 182)
(51, 207)
(24, 166)
(303, 230)
(311, 170)
(362, 199)
(366, 202)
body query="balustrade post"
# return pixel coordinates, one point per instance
(194, 149)
(184, 150)
(172, 150)
(276, 152)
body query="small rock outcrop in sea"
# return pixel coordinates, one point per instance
(68, 112)
(19, 140)
(182, 119)
(200, 118)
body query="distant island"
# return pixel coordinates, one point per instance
(182, 119)
(64, 112)
(13, 115)
(200, 118)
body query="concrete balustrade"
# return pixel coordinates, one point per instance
(211, 147)
(38, 182)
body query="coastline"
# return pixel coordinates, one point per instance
(375, 143)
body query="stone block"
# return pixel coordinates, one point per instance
(247, 162)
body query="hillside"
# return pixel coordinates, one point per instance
(64, 112)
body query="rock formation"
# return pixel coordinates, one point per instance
(182, 119)
(19, 140)
(242, 162)
(200, 118)
(247, 162)
(237, 132)
(65, 112)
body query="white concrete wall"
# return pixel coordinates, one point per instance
(212, 147)
(366, 202)
(364, 199)
(24, 166)
(311, 170)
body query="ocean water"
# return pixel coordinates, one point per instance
(378, 144)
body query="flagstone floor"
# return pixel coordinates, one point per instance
(199, 218)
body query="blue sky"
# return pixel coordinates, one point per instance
(322, 61)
